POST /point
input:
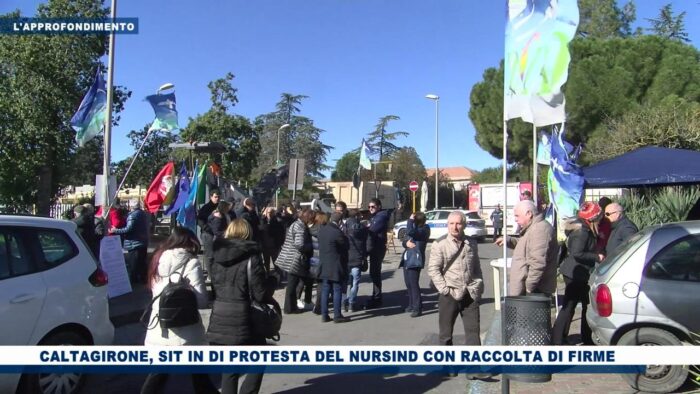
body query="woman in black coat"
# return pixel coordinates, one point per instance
(333, 253)
(219, 219)
(582, 236)
(417, 235)
(357, 255)
(230, 323)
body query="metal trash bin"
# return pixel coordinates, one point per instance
(527, 321)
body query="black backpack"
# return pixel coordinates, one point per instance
(177, 306)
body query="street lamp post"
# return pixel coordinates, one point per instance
(436, 98)
(277, 160)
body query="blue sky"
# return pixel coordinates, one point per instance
(357, 60)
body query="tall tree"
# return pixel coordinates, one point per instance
(42, 80)
(406, 166)
(346, 167)
(302, 139)
(607, 78)
(380, 140)
(235, 132)
(668, 26)
(603, 19)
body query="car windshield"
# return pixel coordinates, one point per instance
(430, 215)
(473, 215)
(610, 260)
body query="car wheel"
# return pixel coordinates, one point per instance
(657, 378)
(55, 383)
(402, 233)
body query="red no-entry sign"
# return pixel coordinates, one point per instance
(413, 186)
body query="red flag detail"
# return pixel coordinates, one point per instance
(159, 188)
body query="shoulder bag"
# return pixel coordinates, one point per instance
(265, 319)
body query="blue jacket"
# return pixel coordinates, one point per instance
(136, 230)
(378, 226)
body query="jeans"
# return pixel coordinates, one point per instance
(353, 284)
(410, 277)
(375, 271)
(497, 232)
(575, 292)
(449, 309)
(337, 298)
(137, 264)
(155, 383)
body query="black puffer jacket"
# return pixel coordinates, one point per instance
(230, 317)
(357, 237)
(581, 252)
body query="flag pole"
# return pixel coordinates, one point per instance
(108, 126)
(534, 164)
(505, 383)
(133, 160)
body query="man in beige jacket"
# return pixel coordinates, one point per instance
(534, 265)
(455, 269)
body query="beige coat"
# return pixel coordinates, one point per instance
(534, 265)
(464, 273)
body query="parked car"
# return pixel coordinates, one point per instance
(52, 292)
(647, 293)
(437, 220)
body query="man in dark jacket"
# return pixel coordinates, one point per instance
(207, 234)
(249, 213)
(376, 248)
(622, 227)
(333, 254)
(135, 242)
(86, 228)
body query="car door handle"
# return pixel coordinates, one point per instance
(22, 298)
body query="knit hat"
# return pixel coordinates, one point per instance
(589, 211)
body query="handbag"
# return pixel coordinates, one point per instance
(314, 267)
(412, 258)
(266, 320)
(448, 265)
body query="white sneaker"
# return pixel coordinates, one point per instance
(300, 304)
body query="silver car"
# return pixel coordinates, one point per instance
(648, 293)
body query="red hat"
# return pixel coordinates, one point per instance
(589, 211)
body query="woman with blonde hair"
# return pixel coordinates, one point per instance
(230, 322)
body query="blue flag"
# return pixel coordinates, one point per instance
(364, 156)
(182, 190)
(166, 112)
(565, 177)
(90, 118)
(187, 217)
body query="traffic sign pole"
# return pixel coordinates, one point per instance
(413, 187)
(414, 202)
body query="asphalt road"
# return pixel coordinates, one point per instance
(388, 325)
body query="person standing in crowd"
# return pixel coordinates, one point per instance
(622, 227)
(357, 256)
(294, 257)
(534, 265)
(86, 228)
(307, 285)
(135, 242)
(207, 234)
(526, 195)
(376, 248)
(604, 226)
(455, 270)
(177, 255)
(249, 213)
(272, 234)
(417, 235)
(582, 256)
(219, 220)
(342, 208)
(333, 253)
(497, 221)
(100, 230)
(287, 215)
(230, 323)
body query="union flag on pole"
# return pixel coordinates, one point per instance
(160, 187)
